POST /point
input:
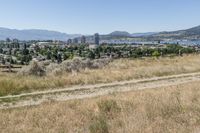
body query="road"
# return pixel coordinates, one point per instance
(88, 91)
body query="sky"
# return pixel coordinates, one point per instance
(102, 16)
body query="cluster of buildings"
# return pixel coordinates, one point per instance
(83, 40)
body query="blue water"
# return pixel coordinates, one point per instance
(183, 42)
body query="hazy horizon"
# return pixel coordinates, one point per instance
(102, 16)
(97, 31)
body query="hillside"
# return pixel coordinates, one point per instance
(144, 34)
(34, 34)
(120, 33)
(192, 33)
(38, 34)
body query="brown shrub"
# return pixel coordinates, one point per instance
(76, 65)
(35, 68)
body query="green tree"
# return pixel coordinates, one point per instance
(91, 55)
(156, 54)
(48, 55)
(59, 58)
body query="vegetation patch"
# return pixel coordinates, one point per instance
(35, 68)
(75, 65)
(99, 125)
(108, 106)
(83, 72)
(167, 109)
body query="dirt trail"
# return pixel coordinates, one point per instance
(87, 91)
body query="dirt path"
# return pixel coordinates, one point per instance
(87, 91)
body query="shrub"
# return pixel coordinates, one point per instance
(51, 68)
(76, 65)
(100, 63)
(108, 106)
(73, 65)
(156, 54)
(35, 68)
(99, 125)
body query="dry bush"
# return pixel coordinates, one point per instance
(95, 64)
(35, 68)
(76, 65)
(46, 62)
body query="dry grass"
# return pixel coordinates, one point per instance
(118, 70)
(163, 110)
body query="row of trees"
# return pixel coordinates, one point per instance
(57, 54)
(120, 51)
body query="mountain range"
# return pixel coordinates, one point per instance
(126, 34)
(34, 34)
(192, 33)
(38, 34)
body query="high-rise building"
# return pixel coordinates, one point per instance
(75, 40)
(83, 39)
(96, 39)
(69, 41)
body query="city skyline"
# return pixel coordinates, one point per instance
(88, 17)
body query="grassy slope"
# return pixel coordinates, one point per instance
(170, 109)
(122, 69)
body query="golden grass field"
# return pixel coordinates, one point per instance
(118, 70)
(173, 109)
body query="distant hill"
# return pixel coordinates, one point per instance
(120, 33)
(188, 32)
(192, 33)
(38, 34)
(143, 34)
(126, 34)
(34, 34)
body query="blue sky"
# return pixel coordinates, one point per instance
(103, 16)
